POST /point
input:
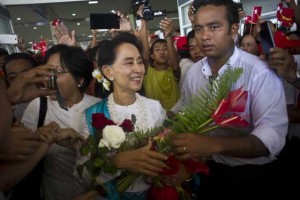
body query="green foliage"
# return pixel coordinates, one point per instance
(201, 106)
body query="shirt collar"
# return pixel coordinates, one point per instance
(206, 68)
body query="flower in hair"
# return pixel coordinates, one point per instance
(101, 79)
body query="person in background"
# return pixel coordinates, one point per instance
(249, 44)
(185, 58)
(162, 67)
(194, 49)
(287, 66)
(15, 64)
(3, 54)
(237, 162)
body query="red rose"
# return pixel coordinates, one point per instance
(167, 192)
(127, 126)
(99, 121)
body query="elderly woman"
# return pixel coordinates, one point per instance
(121, 62)
(74, 73)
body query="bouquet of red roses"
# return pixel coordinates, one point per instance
(95, 153)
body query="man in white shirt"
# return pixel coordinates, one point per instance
(239, 162)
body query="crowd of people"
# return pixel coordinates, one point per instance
(153, 81)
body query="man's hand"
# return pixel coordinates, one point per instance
(25, 87)
(283, 63)
(19, 144)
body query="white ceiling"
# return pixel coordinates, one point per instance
(40, 13)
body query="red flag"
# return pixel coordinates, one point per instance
(279, 7)
(248, 20)
(40, 46)
(282, 41)
(256, 13)
(286, 17)
(56, 22)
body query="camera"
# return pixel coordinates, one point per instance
(148, 13)
(52, 81)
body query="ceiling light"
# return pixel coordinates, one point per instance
(18, 18)
(34, 28)
(74, 14)
(78, 24)
(93, 2)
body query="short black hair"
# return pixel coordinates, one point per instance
(18, 56)
(108, 52)
(75, 60)
(190, 35)
(231, 8)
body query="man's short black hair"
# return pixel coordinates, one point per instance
(18, 56)
(231, 8)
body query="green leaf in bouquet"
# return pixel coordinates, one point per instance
(85, 150)
(98, 162)
(90, 139)
(196, 113)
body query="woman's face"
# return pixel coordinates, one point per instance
(65, 81)
(249, 45)
(127, 72)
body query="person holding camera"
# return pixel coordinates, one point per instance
(71, 76)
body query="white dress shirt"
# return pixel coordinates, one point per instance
(265, 108)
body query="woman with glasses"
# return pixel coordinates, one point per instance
(65, 114)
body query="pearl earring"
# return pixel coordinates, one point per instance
(111, 79)
(79, 85)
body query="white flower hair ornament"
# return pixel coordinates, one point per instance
(101, 79)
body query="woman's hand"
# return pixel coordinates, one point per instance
(68, 137)
(143, 160)
(48, 133)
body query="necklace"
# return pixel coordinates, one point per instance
(119, 113)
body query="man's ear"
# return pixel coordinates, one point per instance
(108, 72)
(234, 30)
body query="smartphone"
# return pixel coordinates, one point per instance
(52, 84)
(8, 39)
(104, 21)
(266, 37)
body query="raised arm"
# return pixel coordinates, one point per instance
(167, 26)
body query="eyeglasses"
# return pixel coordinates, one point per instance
(59, 71)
